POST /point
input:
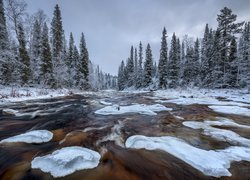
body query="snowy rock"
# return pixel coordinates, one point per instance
(137, 108)
(36, 136)
(231, 110)
(212, 163)
(67, 160)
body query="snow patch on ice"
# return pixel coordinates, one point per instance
(220, 134)
(36, 136)
(212, 163)
(231, 110)
(67, 160)
(136, 108)
(105, 103)
(93, 128)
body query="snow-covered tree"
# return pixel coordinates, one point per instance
(148, 67)
(35, 53)
(46, 59)
(83, 67)
(139, 80)
(23, 56)
(130, 68)
(173, 63)
(162, 66)
(228, 28)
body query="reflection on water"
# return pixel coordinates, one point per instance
(73, 122)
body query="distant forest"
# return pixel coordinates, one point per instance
(34, 52)
(221, 59)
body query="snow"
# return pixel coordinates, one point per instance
(105, 103)
(231, 110)
(220, 134)
(17, 94)
(36, 136)
(210, 162)
(202, 96)
(136, 108)
(66, 161)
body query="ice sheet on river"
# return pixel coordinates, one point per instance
(220, 134)
(136, 108)
(36, 136)
(67, 160)
(212, 163)
(231, 110)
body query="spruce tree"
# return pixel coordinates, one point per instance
(233, 64)
(57, 32)
(70, 61)
(173, 63)
(121, 79)
(130, 68)
(83, 66)
(35, 52)
(162, 66)
(139, 81)
(23, 56)
(46, 59)
(148, 67)
(5, 64)
(228, 28)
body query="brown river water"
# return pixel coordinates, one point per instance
(74, 123)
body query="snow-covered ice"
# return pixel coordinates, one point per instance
(105, 103)
(67, 160)
(231, 110)
(212, 163)
(36, 136)
(202, 96)
(19, 114)
(136, 108)
(220, 134)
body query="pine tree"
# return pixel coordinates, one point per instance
(36, 52)
(135, 68)
(196, 62)
(24, 57)
(162, 67)
(233, 64)
(173, 63)
(46, 59)
(148, 67)
(76, 63)
(227, 27)
(121, 79)
(83, 66)
(139, 81)
(70, 61)
(130, 68)
(57, 32)
(5, 65)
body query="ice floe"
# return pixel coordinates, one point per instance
(66, 161)
(210, 162)
(136, 108)
(36, 136)
(220, 134)
(231, 110)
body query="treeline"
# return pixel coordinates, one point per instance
(33, 54)
(221, 59)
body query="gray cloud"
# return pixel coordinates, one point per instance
(112, 26)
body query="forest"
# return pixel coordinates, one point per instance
(34, 52)
(220, 59)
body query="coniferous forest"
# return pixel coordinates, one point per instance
(220, 59)
(34, 52)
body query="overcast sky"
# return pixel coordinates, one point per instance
(112, 26)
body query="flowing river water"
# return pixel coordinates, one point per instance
(73, 122)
